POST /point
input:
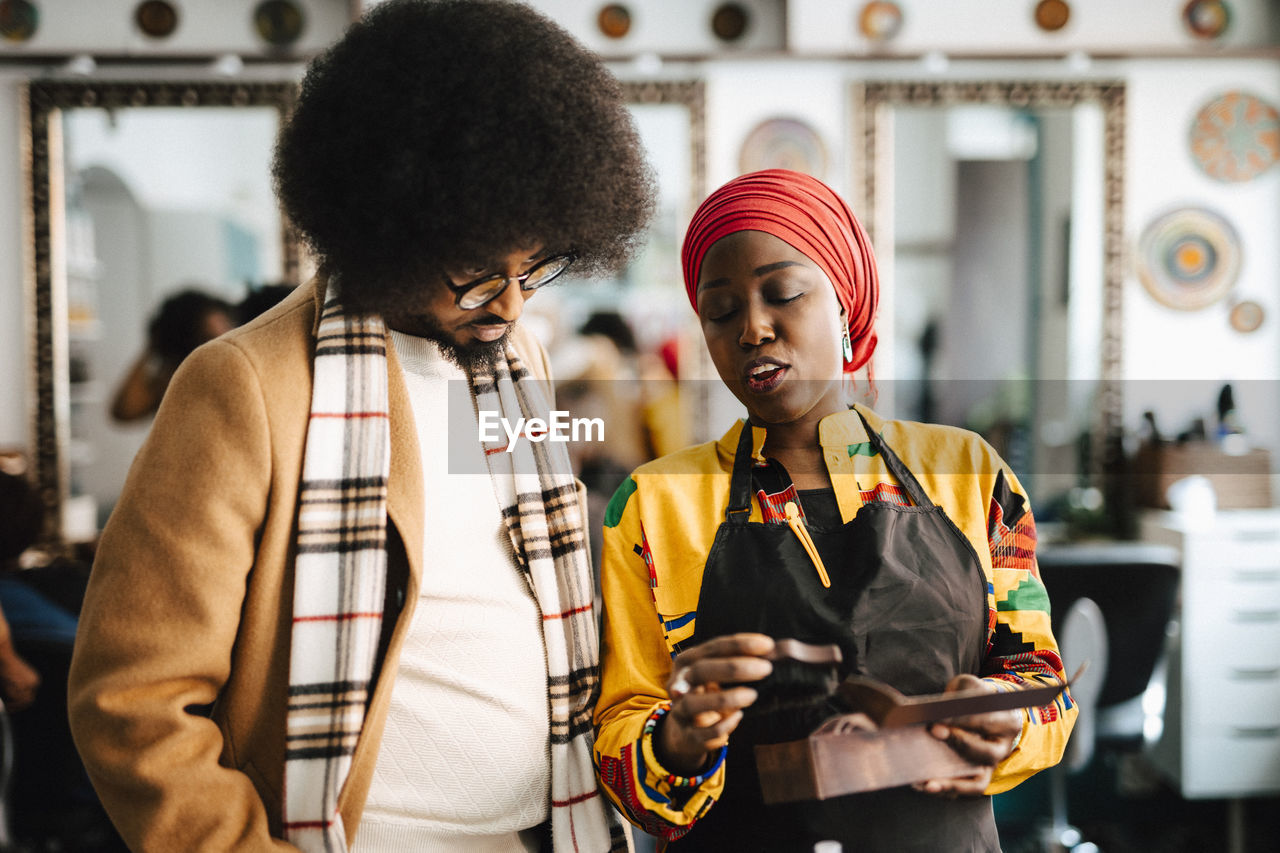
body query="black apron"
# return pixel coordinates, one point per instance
(907, 605)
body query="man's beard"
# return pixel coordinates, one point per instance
(478, 356)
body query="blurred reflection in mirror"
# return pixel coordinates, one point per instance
(170, 218)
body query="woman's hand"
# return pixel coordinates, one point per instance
(982, 739)
(702, 715)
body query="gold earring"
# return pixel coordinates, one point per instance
(846, 345)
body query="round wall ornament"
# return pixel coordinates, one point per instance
(783, 143)
(1206, 19)
(880, 20)
(156, 18)
(278, 22)
(1189, 258)
(1052, 15)
(19, 20)
(614, 20)
(1246, 316)
(1235, 137)
(729, 22)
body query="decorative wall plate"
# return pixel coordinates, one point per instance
(1247, 316)
(19, 20)
(614, 20)
(278, 22)
(1052, 15)
(729, 21)
(1235, 137)
(880, 20)
(1189, 258)
(783, 143)
(156, 18)
(1206, 19)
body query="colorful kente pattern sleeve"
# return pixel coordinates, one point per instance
(1021, 649)
(636, 657)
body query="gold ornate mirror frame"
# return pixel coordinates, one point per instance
(873, 171)
(45, 283)
(692, 95)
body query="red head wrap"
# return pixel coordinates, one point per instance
(808, 215)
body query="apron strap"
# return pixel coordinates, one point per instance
(740, 486)
(896, 468)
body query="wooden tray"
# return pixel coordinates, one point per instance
(886, 745)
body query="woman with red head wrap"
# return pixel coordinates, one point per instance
(908, 547)
(807, 214)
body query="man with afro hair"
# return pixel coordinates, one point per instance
(330, 612)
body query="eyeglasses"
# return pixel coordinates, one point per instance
(487, 288)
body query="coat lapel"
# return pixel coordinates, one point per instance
(405, 496)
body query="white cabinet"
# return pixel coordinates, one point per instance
(1222, 721)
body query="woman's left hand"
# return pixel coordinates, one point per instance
(982, 739)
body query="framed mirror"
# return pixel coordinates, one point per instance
(670, 116)
(996, 212)
(136, 190)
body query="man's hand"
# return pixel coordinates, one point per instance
(982, 739)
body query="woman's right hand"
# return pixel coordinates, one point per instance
(702, 715)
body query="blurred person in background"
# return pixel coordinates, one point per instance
(182, 322)
(633, 391)
(259, 298)
(666, 412)
(599, 381)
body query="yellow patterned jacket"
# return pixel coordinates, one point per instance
(658, 531)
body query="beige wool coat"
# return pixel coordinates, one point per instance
(181, 668)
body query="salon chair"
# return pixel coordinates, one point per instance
(1111, 605)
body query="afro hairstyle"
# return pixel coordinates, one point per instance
(444, 134)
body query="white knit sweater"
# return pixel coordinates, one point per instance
(464, 764)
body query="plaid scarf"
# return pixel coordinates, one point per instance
(341, 576)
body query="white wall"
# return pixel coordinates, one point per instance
(1174, 360)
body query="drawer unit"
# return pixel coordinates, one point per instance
(1222, 722)
(1231, 763)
